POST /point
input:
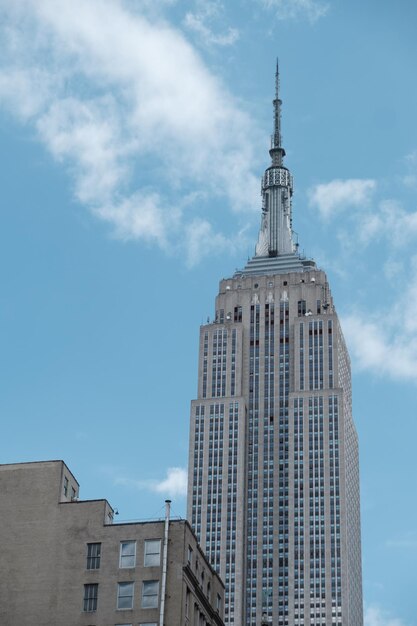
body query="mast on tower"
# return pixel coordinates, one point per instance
(275, 235)
(276, 249)
(277, 152)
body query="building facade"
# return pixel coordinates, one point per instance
(64, 561)
(273, 492)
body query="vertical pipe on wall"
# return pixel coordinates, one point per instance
(164, 562)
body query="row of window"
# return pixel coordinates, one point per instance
(127, 556)
(125, 595)
(141, 624)
(73, 491)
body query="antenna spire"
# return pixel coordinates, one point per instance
(275, 235)
(277, 152)
(277, 81)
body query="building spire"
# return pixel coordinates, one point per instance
(275, 235)
(277, 152)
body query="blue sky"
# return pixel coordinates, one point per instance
(133, 138)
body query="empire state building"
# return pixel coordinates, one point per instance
(273, 491)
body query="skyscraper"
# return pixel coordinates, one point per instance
(273, 491)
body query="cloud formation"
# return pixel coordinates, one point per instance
(128, 107)
(385, 342)
(362, 216)
(338, 195)
(410, 177)
(388, 220)
(375, 616)
(291, 9)
(382, 340)
(200, 22)
(173, 485)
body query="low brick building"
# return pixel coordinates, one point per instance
(65, 562)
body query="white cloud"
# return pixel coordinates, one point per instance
(389, 220)
(385, 342)
(87, 135)
(375, 616)
(368, 220)
(410, 177)
(200, 22)
(339, 195)
(174, 484)
(290, 9)
(393, 268)
(128, 107)
(201, 241)
(17, 92)
(142, 216)
(378, 350)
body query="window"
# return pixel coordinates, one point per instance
(90, 597)
(150, 590)
(125, 595)
(152, 552)
(190, 555)
(128, 554)
(73, 493)
(237, 315)
(148, 624)
(301, 308)
(93, 555)
(65, 486)
(187, 603)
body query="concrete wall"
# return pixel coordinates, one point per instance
(43, 543)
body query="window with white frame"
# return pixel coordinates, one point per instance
(125, 595)
(127, 554)
(150, 591)
(152, 552)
